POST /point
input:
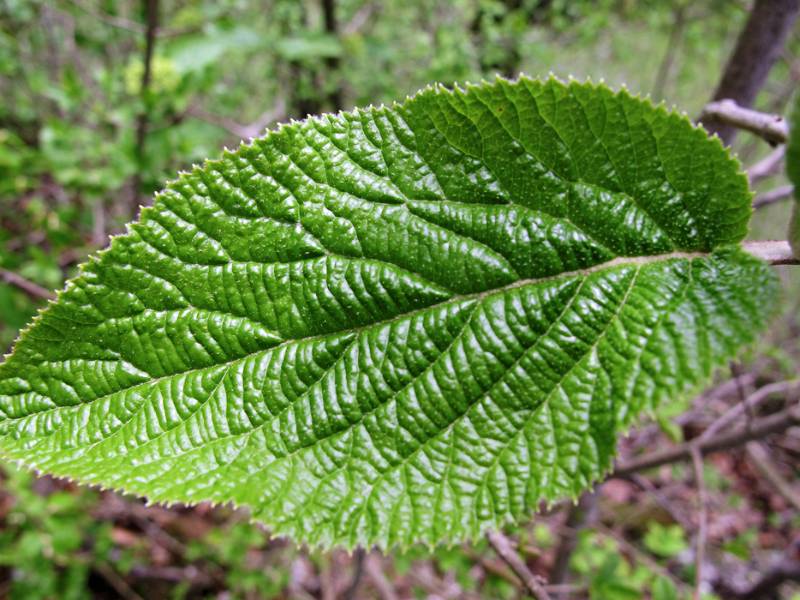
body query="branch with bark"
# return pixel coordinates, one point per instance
(759, 456)
(32, 289)
(775, 252)
(767, 586)
(770, 165)
(772, 128)
(331, 22)
(758, 429)
(143, 118)
(506, 551)
(702, 519)
(779, 194)
(579, 516)
(239, 130)
(758, 47)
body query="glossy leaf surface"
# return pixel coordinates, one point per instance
(400, 324)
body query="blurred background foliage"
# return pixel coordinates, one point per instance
(104, 100)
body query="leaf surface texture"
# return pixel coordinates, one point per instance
(399, 324)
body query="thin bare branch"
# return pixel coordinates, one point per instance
(360, 18)
(758, 429)
(673, 44)
(661, 497)
(99, 235)
(246, 131)
(151, 9)
(331, 21)
(759, 456)
(506, 551)
(579, 516)
(758, 47)
(126, 24)
(767, 166)
(771, 197)
(773, 128)
(373, 569)
(702, 517)
(358, 572)
(190, 574)
(642, 557)
(774, 252)
(116, 581)
(30, 288)
(787, 569)
(749, 404)
(109, 19)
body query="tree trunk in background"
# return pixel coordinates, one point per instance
(757, 49)
(332, 75)
(143, 118)
(580, 515)
(301, 103)
(673, 42)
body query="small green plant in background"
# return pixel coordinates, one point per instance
(614, 573)
(666, 541)
(49, 541)
(237, 552)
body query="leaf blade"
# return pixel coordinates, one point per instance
(399, 324)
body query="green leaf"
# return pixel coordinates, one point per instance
(793, 172)
(194, 52)
(399, 324)
(665, 540)
(309, 46)
(793, 146)
(664, 589)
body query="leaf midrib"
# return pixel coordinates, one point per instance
(477, 296)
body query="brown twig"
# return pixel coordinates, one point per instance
(119, 584)
(143, 118)
(99, 235)
(759, 456)
(579, 516)
(702, 517)
(662, 500)
(126, 24)
(505, 550)
(749, 403)
(373, 569)
(773, 128)
(766, 587)
(769, 165)
(248, 131)
(758, 46)
(109, 19)
(358, 572)
(774, 252)
(332, 63)
(30, 288)
(190, 574)
(360, 18)
(640, 556)
(760, 428)
(783, 192)
(673, 42)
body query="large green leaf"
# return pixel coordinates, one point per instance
(402, 323)
(793, 146)
(793, 172)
